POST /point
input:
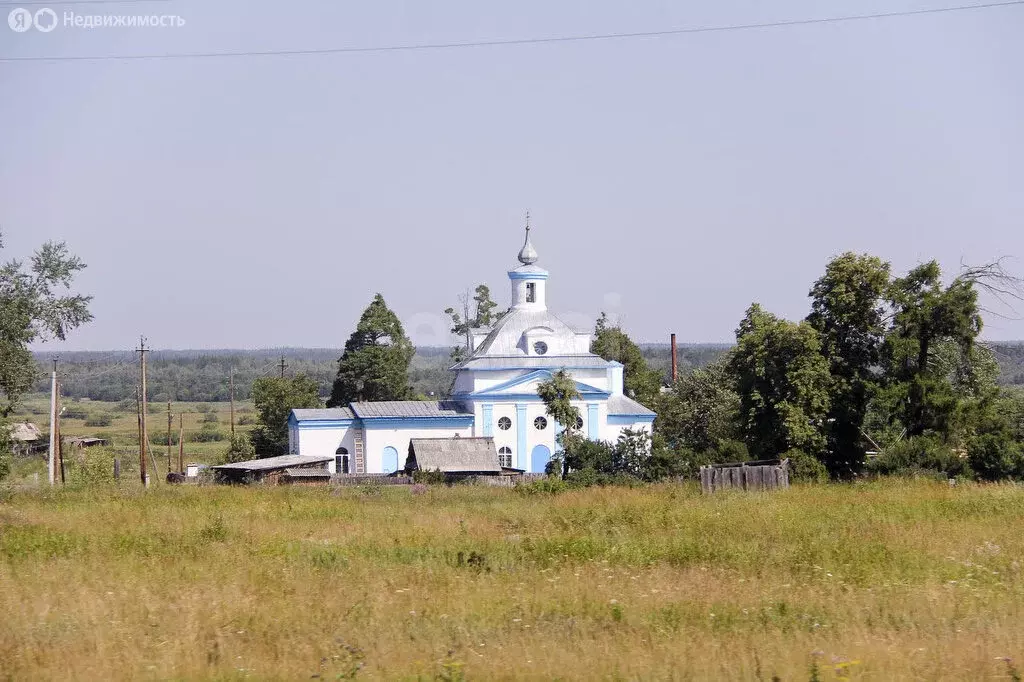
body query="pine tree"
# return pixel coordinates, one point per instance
(375, 365)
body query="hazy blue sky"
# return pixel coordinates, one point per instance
(261, 201)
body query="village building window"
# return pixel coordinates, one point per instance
(579, 423)
(531, 292)
(540, 348)
(505, 456)
(504, 423)
(540, 423)
(341, 461)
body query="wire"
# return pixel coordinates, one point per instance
(519, 41)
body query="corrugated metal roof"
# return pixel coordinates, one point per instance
(329, 414)
(620, 404)
(533, 362)
(410, 408)
(271, 463)
(456, 455)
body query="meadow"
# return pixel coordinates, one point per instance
(882, 581)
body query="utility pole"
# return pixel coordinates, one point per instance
(181, 443)
(232, 390)
(170, 421)
(282, 366)
(60, 439)
(53, 422)
(142, 410)
(142, 448)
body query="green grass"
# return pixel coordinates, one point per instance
(890, 580)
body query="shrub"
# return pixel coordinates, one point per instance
(99, 420)
(206, 436)
(74, 413)
(246, 420)
(240, 449)
(995, 456)
(919, 455)
(210, 418)
(429, 477)
(805, 468)
(544, 486)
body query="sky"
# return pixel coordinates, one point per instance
(260, 201)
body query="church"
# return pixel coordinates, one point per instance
(494, 394)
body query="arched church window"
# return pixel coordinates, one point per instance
(505, 456)
(579, 423)
(540, 423)
(341, 461)
(504, 423)
(540, 348)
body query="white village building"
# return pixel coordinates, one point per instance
(494, 394)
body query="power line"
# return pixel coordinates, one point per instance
(520, 41)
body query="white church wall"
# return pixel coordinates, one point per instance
(398, 437)
(315, 442)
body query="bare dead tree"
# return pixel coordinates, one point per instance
(998, 282)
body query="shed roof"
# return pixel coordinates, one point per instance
(410, 408)
(307, 473)
(329, 414)
(273, 463)
(25, 432)
(455, 455)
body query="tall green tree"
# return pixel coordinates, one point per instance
(925, 314)
(848, 312)
(35, 305)
(473, 313)
(783, 384)
(275, 398)
(701, 411)
(641, 382)
(375, 364)
(558, 392)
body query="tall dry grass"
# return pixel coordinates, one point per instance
(882, 581)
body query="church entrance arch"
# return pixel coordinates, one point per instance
(539, 459)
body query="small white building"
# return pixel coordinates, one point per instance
(494, 394)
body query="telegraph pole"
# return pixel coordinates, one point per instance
(170, 420)
(142, 410)
(282, 366)
(60, 439)
(142, 449)
(53, 423)
(232, 389)
(181, 443)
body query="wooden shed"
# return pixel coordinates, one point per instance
(268, 470)
(456, 458)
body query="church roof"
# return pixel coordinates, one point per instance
(329, 414)
(621, 405)
(505, 336)
(409, 408)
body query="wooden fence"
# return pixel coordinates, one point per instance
(760, 475)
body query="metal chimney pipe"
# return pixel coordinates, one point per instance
(675, 364)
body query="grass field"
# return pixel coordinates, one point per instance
(876, 581)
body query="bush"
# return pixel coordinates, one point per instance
(74, 413)
(544, 486)
(805, 468)
(240, 449)
(246, 420)
(995, 456)
(206, 436)
(210, 418)
(429, 477)
(920, 455)
(99, 420)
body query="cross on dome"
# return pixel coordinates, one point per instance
(528, 254)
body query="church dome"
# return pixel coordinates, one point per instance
(528, 254)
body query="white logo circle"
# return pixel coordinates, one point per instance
(46, 20)
(20, 20)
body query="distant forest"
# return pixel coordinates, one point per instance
(202, 375)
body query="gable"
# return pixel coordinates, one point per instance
(526, 385)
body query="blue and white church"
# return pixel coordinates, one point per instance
(494, 394)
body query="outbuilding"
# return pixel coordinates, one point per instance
(456, 458)
(268, 470)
